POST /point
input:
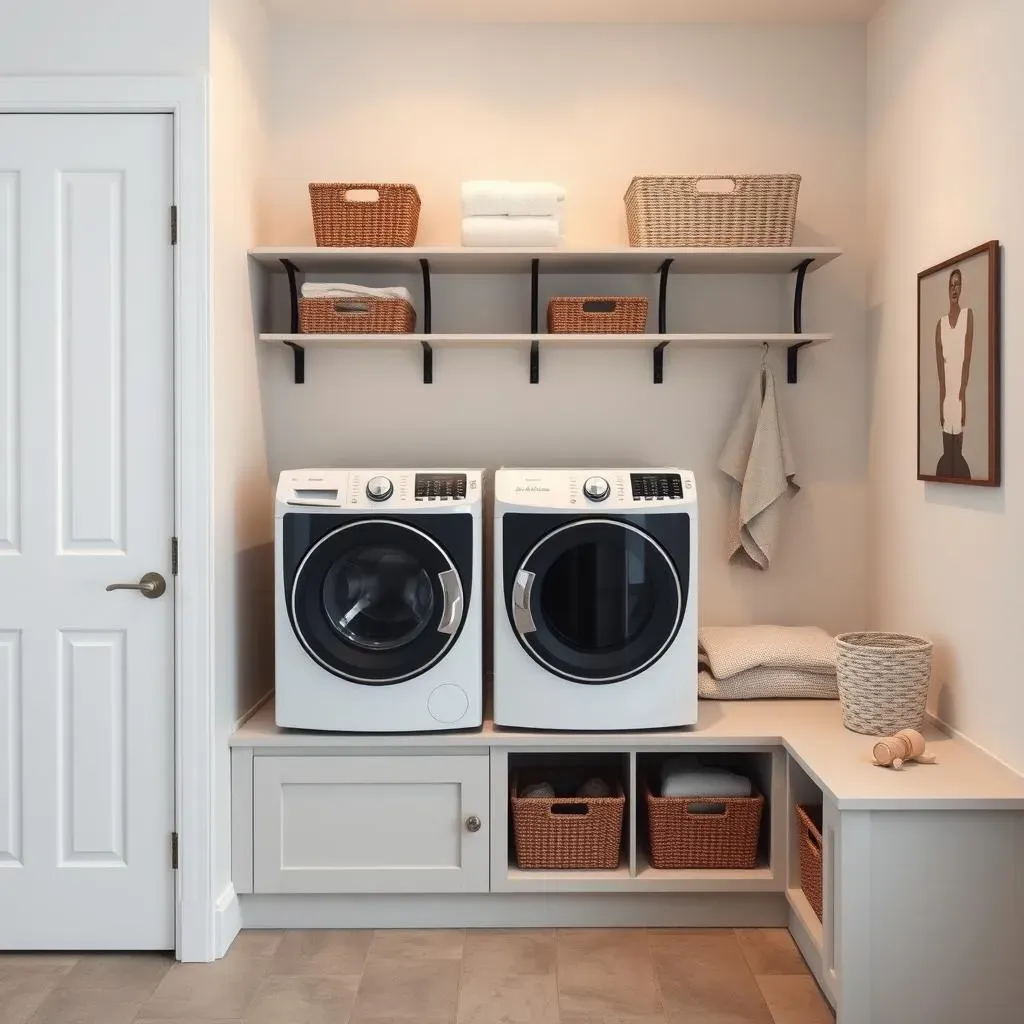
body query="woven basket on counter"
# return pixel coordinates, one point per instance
(341, 217)
(883, 681)
(597, 314)
(702, 832)
(809, 845)
(755, 210)
(569, 833)
(356, 315)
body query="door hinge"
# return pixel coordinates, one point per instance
(174, 556)
(174, 851)
(174, 225)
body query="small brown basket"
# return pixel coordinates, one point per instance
(387, 215)
(597, 314)
(809, 843)
(356, 315)
(712, 210)
(704, 833)
(568, 833)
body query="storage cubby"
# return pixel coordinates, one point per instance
(802, 791)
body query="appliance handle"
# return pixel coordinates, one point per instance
(522, 589)
(451, 614)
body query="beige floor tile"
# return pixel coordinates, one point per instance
(704, 979)
(283, 999)
(606, 973)
(256, 942)
(513, 951)
(427, 944)
(591, 1019)
(771, 951)
(795, 1000)
(188, 1020)
(407, 989)
(59, 963)
(214, 991)
(322, 952)
(489, 998)
(21, 992)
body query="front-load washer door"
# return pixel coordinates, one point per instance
(596, 601)
(376, 601)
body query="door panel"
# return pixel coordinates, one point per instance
(86, 500)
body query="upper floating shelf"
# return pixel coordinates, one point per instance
(625, 260)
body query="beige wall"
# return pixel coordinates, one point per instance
(945, 151)
(590, 106)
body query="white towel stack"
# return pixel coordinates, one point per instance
(513, 213)
(338, 289)
(687, 775)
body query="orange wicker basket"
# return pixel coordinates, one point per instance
(809, 843)
(704, 832)
(569, 833)
(388, 216)
(597, 314)
(362, 315)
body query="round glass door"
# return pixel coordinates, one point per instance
(376, 602)
(597, 601)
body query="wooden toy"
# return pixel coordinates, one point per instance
(906, 745)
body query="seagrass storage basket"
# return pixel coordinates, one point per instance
(703, 832)
(569, 833)
(597, 314)
(809, 844)
(712, 210)
(356, 315)
(354, 214)
(883, 681)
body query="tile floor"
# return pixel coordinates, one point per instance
(432, 977)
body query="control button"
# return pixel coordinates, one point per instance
(596, 488)
(379, 488)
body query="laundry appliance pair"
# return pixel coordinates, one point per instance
(379, 604)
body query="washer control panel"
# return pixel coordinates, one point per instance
(380, 488)
(656, 486)
(440, 486)
(607, 489)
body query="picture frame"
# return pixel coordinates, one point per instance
(959, 334)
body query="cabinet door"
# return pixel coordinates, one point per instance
(370, 824)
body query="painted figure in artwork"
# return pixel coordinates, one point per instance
(954, 341)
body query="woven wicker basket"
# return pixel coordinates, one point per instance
(760, 209)
(362, 315)
(809, 845)
(883, 681)
(340, 219)
(597, 314)
(570, 833)
(703, 832)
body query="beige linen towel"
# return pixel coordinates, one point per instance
(758, 460)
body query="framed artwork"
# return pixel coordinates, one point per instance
(958, 328)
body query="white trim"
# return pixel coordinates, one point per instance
(228, 920)
(186, 100)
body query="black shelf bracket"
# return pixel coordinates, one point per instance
(428, 350)
(299, 361)
(534, 320)
(792, 353)
(298, 352)
(659, 349)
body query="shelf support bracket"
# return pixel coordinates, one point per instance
(428, 362)
(792, 357)
(534, 320)
(428, 351)
(293, 292)
(792, 353)
(659, 349)
(299, 361)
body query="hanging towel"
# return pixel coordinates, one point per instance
(542, 232)
(328, 290)
(512, 198)
(758, 459)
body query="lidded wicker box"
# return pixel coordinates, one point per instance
(364, 215)
(712, 210)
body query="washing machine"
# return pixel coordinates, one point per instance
(378, 617)
(595, 600)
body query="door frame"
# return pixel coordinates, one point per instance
(185, 99)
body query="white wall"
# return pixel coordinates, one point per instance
(243, 527)
(590, 106)
(945, 151)
(104, 37)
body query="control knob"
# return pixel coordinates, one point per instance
(596, 488)
(379, 488)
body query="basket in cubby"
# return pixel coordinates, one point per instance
(384, 215)
(573, 833)
(809, 845)
(750, 210)
(363, 314)
(704, 832)
(597, 314)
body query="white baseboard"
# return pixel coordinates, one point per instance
(943, 726)
(227, 920)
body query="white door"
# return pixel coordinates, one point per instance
(86, 500)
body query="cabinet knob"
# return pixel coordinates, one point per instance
(473, 823)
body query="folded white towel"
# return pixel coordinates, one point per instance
(594, 788)
(728, 650)
(544, 789)
(512, 198)
(324, 290)
(541, 232)
(767, 684)
(758, 460)
(705, 782)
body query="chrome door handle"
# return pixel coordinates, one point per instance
(451, 616)
(151, 585)
(522, 589)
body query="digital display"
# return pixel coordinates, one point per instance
(656, 486)
(440, 486)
